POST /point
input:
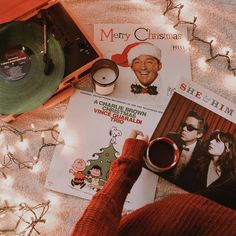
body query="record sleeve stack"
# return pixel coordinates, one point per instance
(43, 51)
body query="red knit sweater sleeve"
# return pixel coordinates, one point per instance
(103, 214)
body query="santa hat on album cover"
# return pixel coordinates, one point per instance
(134, 50)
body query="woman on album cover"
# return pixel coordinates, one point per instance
(220, 179)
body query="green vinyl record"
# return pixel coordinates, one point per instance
(23, 83)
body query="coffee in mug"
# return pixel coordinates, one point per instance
(162, 154)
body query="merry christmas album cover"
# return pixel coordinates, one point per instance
(151, 60)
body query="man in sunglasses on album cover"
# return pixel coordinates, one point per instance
(188, 140)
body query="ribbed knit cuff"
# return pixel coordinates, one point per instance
(134, 149)
(129, 165)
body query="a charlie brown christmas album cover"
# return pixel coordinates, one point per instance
(94, 133)
(151, 60)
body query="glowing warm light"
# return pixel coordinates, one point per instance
(185, 42)
(230, 82)
(160, 21)
(170, 29)
(183, 2)
(67, 150)
(10, 149)
(212, 38)
(137, 1)
(187, 10)
(5, 150)
(202, 63)
(23, 145)
(224, 50)
(52, 221)
(70, 138)
(53, 198)
(8, 182)
(32, 126)
(2, 138)
(4, 195)
(61, 123)
(43, 137)
(30, 165)
(36, 168)
(21, 199)
(2, 215)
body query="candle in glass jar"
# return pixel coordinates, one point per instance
(104, 73)
(105, 76)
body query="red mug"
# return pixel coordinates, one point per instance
(162, 154)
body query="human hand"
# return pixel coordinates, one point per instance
(137, 134)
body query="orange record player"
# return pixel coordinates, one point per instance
(43, 50)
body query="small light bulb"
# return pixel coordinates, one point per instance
(32, 126)
(8, 182)
(53, 198)
(61, 123)
(137, 1)
(23, 145)
(2, 138)
(36, 168)
(202, 63)
(2, 215)
(70, 138)
(170, 29)
(230, 82)
(10, 149)
(213, 39)
(185, 42)
(43, 137)
(30, 165)
(224, 50)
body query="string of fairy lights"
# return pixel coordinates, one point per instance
(9, 157)
(171, 6)
(27, 217)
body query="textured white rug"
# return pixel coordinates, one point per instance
(216, 18)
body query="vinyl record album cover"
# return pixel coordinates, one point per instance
(202, 124)
(151, 60)
(95, 130)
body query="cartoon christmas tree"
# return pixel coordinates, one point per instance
(104, 159)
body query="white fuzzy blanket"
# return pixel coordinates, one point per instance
(216, 18)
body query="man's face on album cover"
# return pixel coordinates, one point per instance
(146, 69)
(190, 130)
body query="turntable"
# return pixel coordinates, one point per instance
(43, 50)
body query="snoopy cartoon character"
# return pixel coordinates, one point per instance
(114, 132)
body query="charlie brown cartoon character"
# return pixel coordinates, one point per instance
(77, 167)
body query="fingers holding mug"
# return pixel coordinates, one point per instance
(137, 134)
